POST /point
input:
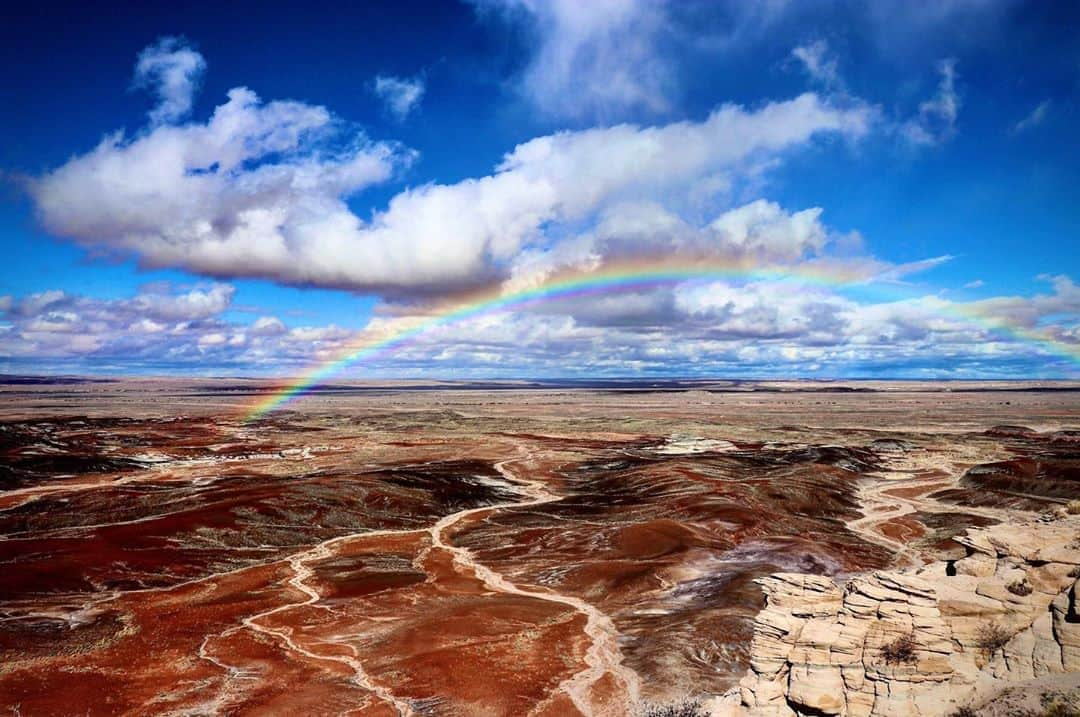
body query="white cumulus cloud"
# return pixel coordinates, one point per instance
(712, 327)
(247, 193)
(268, 326)
(260, 190)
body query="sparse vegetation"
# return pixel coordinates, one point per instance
(685, 708)
(991, 637)
(1059, 709)
(1019, 587)
(1052, 704)
(901, 650)
(1058, 704)
(1073, 507)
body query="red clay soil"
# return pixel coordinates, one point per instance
(916, 491)
(903, 529)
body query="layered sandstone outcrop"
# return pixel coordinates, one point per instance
(923, 641)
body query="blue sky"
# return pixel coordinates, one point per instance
(387, 160)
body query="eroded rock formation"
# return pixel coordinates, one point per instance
(923, 641)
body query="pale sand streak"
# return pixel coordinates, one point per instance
(602, 657)
(872, 496)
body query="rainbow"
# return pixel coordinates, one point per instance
(622, 277)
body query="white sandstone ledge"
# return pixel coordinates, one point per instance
(819, 647)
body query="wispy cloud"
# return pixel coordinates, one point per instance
(402, 96)
(1034, 118)
(172, 70)
(936, 119)
(819, 63)
(592, 60)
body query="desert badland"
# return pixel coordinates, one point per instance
(541, 549)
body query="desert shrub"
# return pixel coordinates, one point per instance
(1019, 587)
(1073, 507)
(991, 637)
(964, 712)
(1059, 704)
(685, 708)
(1053, 709)
(901, 650)
(1059, 709)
